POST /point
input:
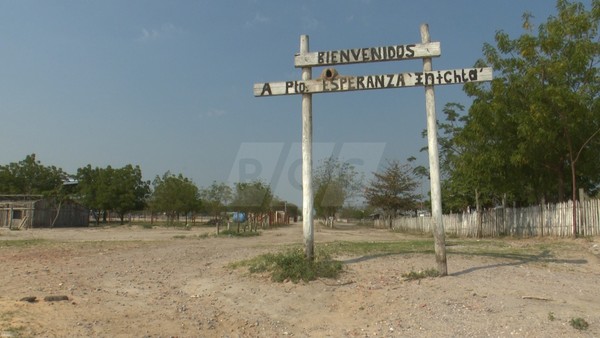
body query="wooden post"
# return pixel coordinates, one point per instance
(306, 87)
(307, 188)
(434, 171)
(479, 215)
(542, 217)
(10, 217)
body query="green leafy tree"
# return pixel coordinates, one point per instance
(107, 189)
(357, 213)
(128, 190)
(533, 134)
(393, 190)
(30, 177)
(292, 210)
(89, 188)
(215, 199)
(174, 195)
(470, 164)
(335, 182)
(254, 199)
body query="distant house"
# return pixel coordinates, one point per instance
(36, 211)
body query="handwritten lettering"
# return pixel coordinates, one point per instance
(366, 54)
(365, 82)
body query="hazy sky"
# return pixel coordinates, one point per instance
(167, 85)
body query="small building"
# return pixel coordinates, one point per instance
(36, 211)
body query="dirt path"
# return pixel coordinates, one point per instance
(165, 282)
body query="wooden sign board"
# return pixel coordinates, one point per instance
(331, 82)
(370, 54)
(367, 82)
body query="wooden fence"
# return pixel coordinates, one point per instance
(547, 220)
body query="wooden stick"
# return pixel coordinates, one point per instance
(536, 298)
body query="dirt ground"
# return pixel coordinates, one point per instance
(130, 281)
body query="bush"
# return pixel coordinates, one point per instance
(293, 265)
(413, 275)
(579, 323)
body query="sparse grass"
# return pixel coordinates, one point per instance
(6, 329)
(525, 250)
(579, 323)
(7, 315)
(12, 331)
(178, 225)
(23, 242)
(292, 265)
(367, 248)
(172, 225)
(551, 316)
(287, 265)
(414, 275)
(204, 235)
(233, 233)
(365, 223)
(200, 236)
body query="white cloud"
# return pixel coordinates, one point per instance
(166, 30)
(258, 19)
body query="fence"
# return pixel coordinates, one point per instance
(547, 220)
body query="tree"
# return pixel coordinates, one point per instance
(469, 164)
(358, 213)
(393, 190)
(174, 195)
(128, 191)
(254, 199)
(30, 177)
(106, 189)
(548, 96)
(536, 127)
(215, 199)
(89, 188)
(335, 182)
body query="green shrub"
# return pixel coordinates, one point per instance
(579, 323)
(233, 233)
(413, 275)
(293, 265)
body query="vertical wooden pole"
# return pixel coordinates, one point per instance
(479, 215)
(574, 188)
(307, 188)
(10, 217)
(434, 170)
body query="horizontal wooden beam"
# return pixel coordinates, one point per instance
(371, 54)
(369, 82)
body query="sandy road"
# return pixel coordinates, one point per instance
(129, 281)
